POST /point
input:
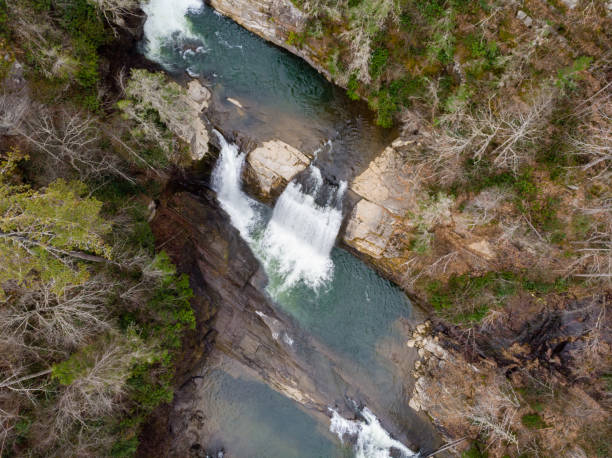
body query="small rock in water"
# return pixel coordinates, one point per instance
(235, 102)
(411, 343)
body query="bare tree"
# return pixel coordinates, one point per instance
(115, 11)
(13, 107)
(97, 390)
(595, 145)
(61, 321)
(71, 139)
(595, 254)
(494, 412)
(37, 32)
(502, 135)
(483, 208)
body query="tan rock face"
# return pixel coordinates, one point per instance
(274, 164)
(195, 132)
(385, 200)
(199, 96)
(382, 183)
(369, 228)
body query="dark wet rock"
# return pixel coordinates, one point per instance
(229, 306)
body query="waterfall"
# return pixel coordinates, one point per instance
(226, 181)
(372, 441)
(165, 20)
(297, 241)
(301, 234)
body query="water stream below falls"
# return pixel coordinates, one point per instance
(350, 325)
(359, 318)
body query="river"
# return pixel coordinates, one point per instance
(351, 325)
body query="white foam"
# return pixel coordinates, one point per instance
(372, 441)
(300, 236)
(298, 239)
(167, 20)
(226, 181)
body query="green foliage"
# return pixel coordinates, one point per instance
(474, 452)
(391, 98)
(568, 77)
(541, 210)
(441, 46)
(352, 87)
(296, 39)
(458, 99)
(533, 421)
(378, 62)
(170, 302)
(333, 63)
(4, 21)
(124, 448)
(40, 228)
(406, 22)
(449, 298)
(484, 56)
(385, 106)
(466, 299)
(69, 370)
(431, 9)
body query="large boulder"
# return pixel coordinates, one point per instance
(386, 196)
(369, 228)
(274, 164)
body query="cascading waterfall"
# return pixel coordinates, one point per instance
(226, 181)
(371, 439)
(301, 234)
(167, 20)
(293, 241)
(296, 246)
(298, 239)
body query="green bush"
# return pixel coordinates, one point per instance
(378, 62)
(170, 302)
(533, 421)
(466, 299)
(352, 87)
(568, 77)
(474, 452)
(431, 9)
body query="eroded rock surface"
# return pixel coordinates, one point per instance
(196, 135)
(383, 184)
(233, 318)
(369, 228)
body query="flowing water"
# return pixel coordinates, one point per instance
(282, 97)
(358, 317)
(351, 324)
